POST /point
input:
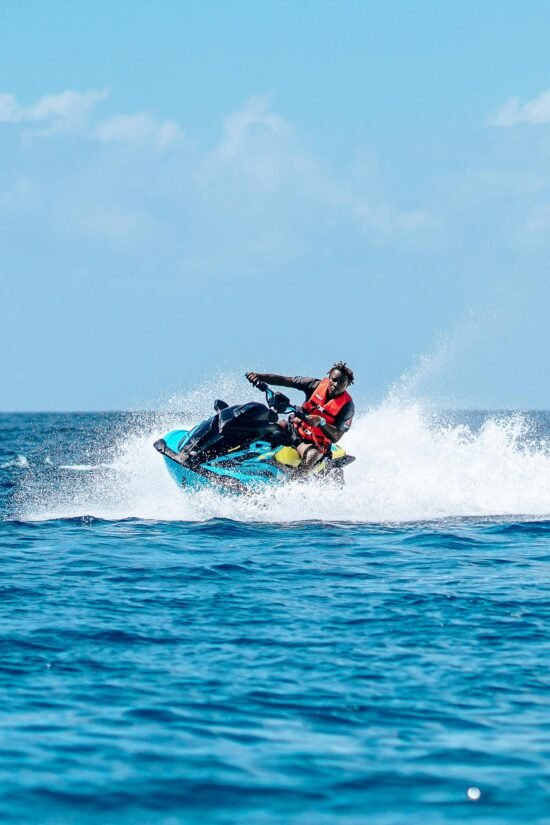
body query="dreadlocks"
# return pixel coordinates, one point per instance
(343, 367)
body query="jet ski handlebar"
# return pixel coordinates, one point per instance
(278, 402)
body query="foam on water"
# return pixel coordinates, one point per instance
(411, 465)
(19, 463)
(85, 468)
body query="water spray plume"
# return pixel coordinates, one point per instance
(411, 465)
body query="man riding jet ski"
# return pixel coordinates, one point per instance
(329, 411)
(245, 445)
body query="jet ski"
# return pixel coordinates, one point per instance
(239, 448)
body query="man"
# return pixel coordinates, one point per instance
(328, 405)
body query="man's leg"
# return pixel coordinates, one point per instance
(310, 455)
(279, 435)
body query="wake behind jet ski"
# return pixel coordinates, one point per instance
(243, 447)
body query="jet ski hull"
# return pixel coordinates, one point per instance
(241, 470)
(238, 470)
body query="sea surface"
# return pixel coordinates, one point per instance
(377, 654)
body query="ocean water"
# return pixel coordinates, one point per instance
(377, 654)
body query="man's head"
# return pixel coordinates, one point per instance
(340, 376)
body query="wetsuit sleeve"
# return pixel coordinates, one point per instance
(298, 382)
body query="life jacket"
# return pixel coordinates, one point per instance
(328, 408)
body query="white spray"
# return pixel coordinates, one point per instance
(410, 466)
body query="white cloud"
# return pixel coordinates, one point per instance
(58, 112)
(262, 186)
(261, 161)
(250, 127)
(387, 221)
(10, 111)
(71, 111)
(512, 112)
(257, 144)
(67, 110)
(141, 130)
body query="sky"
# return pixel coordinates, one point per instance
(196, 188)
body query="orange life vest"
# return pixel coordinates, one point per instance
(320, 404)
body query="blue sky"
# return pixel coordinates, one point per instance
(194, 187)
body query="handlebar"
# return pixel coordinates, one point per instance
(270, 395)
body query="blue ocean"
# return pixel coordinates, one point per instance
(373, 654)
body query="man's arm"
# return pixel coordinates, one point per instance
(327, 429)
(341, 425)
(307, 385)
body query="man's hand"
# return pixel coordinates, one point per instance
(254, 378)
(315, 420)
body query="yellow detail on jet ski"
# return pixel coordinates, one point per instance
(291, 457)
(288, 456)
